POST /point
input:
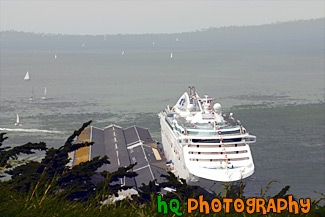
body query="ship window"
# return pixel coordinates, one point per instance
(232, 140)
(199, 152)
(231, 132)
(205, 140)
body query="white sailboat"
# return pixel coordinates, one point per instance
(171, 55)
(17, 121)
(123, 52)
(26, 78)
(177, 39)
(55, 56)
(44, 97)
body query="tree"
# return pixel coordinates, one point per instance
(52, 175)
(8, 154)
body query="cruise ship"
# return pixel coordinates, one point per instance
(200, 141)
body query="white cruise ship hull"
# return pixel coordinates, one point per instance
(211, 167)
(173, 151)
(202, 142)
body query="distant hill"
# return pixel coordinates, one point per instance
(295, 36)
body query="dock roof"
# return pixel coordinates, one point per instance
(124, 147)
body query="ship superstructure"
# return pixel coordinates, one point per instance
(201, 142)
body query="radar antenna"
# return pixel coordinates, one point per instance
(192, 90)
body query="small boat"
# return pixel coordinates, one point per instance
(44, 97)
(123, 52)
(32, 97)
(176, 39)
(17, 121)
(171, 55)
(26, 78)
(55, 56)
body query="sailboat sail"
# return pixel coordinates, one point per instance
(17, 119)
(171, 55)
(45, 90)
(26, 78)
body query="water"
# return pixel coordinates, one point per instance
(277, 95)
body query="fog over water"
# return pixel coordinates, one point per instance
(271, 77)
(145, 16)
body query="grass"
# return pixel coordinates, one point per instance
(15, 204)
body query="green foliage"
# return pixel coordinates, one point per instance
(77, 182)
(267, 187)
(51, 188)
(147, 192)
(52, 177)
(111, 185)
(282, 193)
(183, 189)
(8, 155)
(52, 173)
(12, 204)
(56, 160)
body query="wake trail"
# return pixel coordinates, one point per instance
(29, 130)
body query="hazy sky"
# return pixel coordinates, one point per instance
(148, 16)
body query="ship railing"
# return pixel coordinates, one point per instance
(217, 149)
(217, 152)
(220, 145)
(218, 156)
(211, 127)
(213, 133)
(205, 131)
(216, 160)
